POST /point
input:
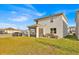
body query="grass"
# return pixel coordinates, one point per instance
(38, 46)
(71, 37)
(64, 46)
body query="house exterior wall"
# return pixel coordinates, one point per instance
(77, 24)
(58, 22)
(65, 27)
(11, 31)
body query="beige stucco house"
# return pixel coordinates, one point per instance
(77, 24)
(71, 30)
(9, 30)
(56, 24)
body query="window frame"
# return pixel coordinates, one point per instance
(53, 30)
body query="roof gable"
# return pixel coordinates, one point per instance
(51, 16)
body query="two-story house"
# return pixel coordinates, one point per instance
(56, 24)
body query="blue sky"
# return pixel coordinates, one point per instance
(22, 15)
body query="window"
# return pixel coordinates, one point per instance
(51, 20)
(53, 30)
(36, 22)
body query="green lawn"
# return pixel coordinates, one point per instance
(33, 46)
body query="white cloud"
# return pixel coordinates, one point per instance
(13, 12)
(20, 18)
(23, 14)
(40, 14)
(35, 10)
(6, 25)
(65, 11)
(30, 6)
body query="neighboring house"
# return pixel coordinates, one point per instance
(2, 31)
(9, 30)
(71, 30)
(25, 32)
(56, 24)
(77, 24)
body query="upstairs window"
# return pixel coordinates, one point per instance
(51, 20)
